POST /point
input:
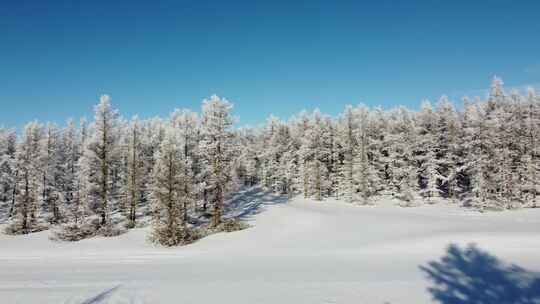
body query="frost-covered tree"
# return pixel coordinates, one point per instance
(169, 179)
(8, 171)
(531, 155)
(28, 180)
(381, 147)
(270, 155)
(133, 187)
(347, 126)
(314, 155)
(152, 134)
(405, 169)
(186, 126)
(82, 186)
(68, 157)
(447, 132)
(51, 175)
(428, 152)
(365, 174)
(101, 153)
(216, 123)
(305, 154)
(318, 148)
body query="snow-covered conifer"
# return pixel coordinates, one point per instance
(51, 172)
(216, 123)
(100, 155)
(365, 174)
(132, 190)
(28, 180)
(8, 171)
(347, 131)
(169, 179)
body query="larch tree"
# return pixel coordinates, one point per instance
(405, 163)
(51, 172)
(68, 167)
(381, 146)
(429, 167)
(169, 226)
(364, 173)
(8, 171)
(82, 185)
(100, 155)
(28, 180)
(315, 154)
(347, 131)
(447, 128)
(533, 140)
(132, 190)
(216, 123)
(305, 153)
(185, 124)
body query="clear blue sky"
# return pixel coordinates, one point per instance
(57, 57)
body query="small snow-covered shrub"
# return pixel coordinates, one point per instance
(72, 232)
(229, 225)
(110, 230)
(408, 199)
(410, 203)
(168, 237)
(514, 205)
(406, 195)
(493, 207)
(140, 223)
(130, 224)
(15, 227)
(483, 206)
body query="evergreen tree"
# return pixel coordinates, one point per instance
(134, 174)
(100, 155)
(216, 123)
(429, 162)
(51, 172)
(348, 142)
(185, 123)
(169, 227)
(69, 167)
(405, 163)
(447, 127)
(8, 170)
(364, 175)
(28, 179)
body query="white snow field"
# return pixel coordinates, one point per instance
(300, 251)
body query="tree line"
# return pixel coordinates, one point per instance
(86, 178)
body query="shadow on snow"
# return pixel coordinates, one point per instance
(101, 297)
(470, 275)
(252, 201)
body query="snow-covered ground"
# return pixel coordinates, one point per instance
(300, 251)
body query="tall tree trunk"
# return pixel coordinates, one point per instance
(14, 192)
(26, 203)
(318, 180)
(105, 175)
(218, 205)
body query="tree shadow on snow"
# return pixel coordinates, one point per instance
(252, 201)
(102, 296)
(470, 275)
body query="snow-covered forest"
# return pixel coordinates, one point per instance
(108, 174)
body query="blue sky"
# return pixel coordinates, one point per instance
(57, 57)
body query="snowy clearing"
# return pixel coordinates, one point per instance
(300, 251)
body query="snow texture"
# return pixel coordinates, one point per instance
(300, 251)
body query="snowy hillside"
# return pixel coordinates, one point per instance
(300, 251)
